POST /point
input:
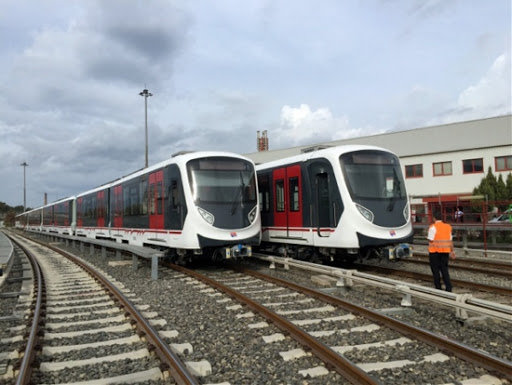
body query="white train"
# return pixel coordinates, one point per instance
(193, 204)
(339, 202)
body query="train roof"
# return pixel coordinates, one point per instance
(178, 158)
(323, 152)
(58, 201)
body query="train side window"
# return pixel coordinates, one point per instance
(144, 196)
(264, 193)
(174, 195)
(280, 195)
(152, 199)
(294, 193)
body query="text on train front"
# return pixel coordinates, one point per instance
(376, 185)
(224, 191)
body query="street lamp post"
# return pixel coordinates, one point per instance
(146, 94)
(24, 164)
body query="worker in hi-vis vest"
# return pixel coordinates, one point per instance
(440, 249)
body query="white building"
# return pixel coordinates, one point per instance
(440, 163)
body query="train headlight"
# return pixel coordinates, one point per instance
(252, 214)
(406, 212)
(207, 216)
(365, 212)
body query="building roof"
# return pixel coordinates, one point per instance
(473, 134)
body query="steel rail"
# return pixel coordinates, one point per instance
(177, 368)
(458, 301)
(487, 262)
(506, 269)
(477, 357)
(428, 277)
(333, 360)
(25, 369)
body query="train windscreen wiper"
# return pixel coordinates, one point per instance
(238, 196)
(396, 191)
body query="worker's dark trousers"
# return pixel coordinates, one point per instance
(439, 265)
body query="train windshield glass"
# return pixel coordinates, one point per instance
(372, 174)
(222, 180)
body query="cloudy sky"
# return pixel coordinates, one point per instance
(305, 70)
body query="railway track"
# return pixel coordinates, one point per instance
(331, 327)
(476, 265)
(244, 347)
(474, 285)
(84, 328)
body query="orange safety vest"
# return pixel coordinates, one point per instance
(442, 242)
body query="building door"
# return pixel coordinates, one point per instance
(156, 200)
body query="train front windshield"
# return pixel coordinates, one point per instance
(225, 188)
(375, 182)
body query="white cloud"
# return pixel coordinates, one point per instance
(302, 125)
(492, 94)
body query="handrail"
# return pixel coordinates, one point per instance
(460, 301)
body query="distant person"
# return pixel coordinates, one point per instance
(459, 214)
(440, 249)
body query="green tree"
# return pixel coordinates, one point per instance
(488, 186)
(495, 189)
(10, 219)
(501, 189)
(509, 186)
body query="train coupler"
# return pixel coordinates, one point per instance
(237, 251)
(403, 250)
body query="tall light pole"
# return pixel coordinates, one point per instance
(24, 164)
(146, 94)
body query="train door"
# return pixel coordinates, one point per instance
(327, 205)
(100, 209)
(156, 200)
(176, 206)
(118, 206)
(322, 202)
(288, 198)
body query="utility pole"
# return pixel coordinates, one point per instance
(24, 164)
(146, 94)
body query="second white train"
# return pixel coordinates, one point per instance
(339, 202)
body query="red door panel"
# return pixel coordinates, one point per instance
(118, 206)
(100, 209)
(156, 200)
(287, 190)
(294, 195)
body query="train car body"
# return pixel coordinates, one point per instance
(59, 217)
(33, 219)
(193, 204)
(338, 202)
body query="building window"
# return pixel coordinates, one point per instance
(503, 163)
(473, 166)
(414, 171)
(442, 168)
